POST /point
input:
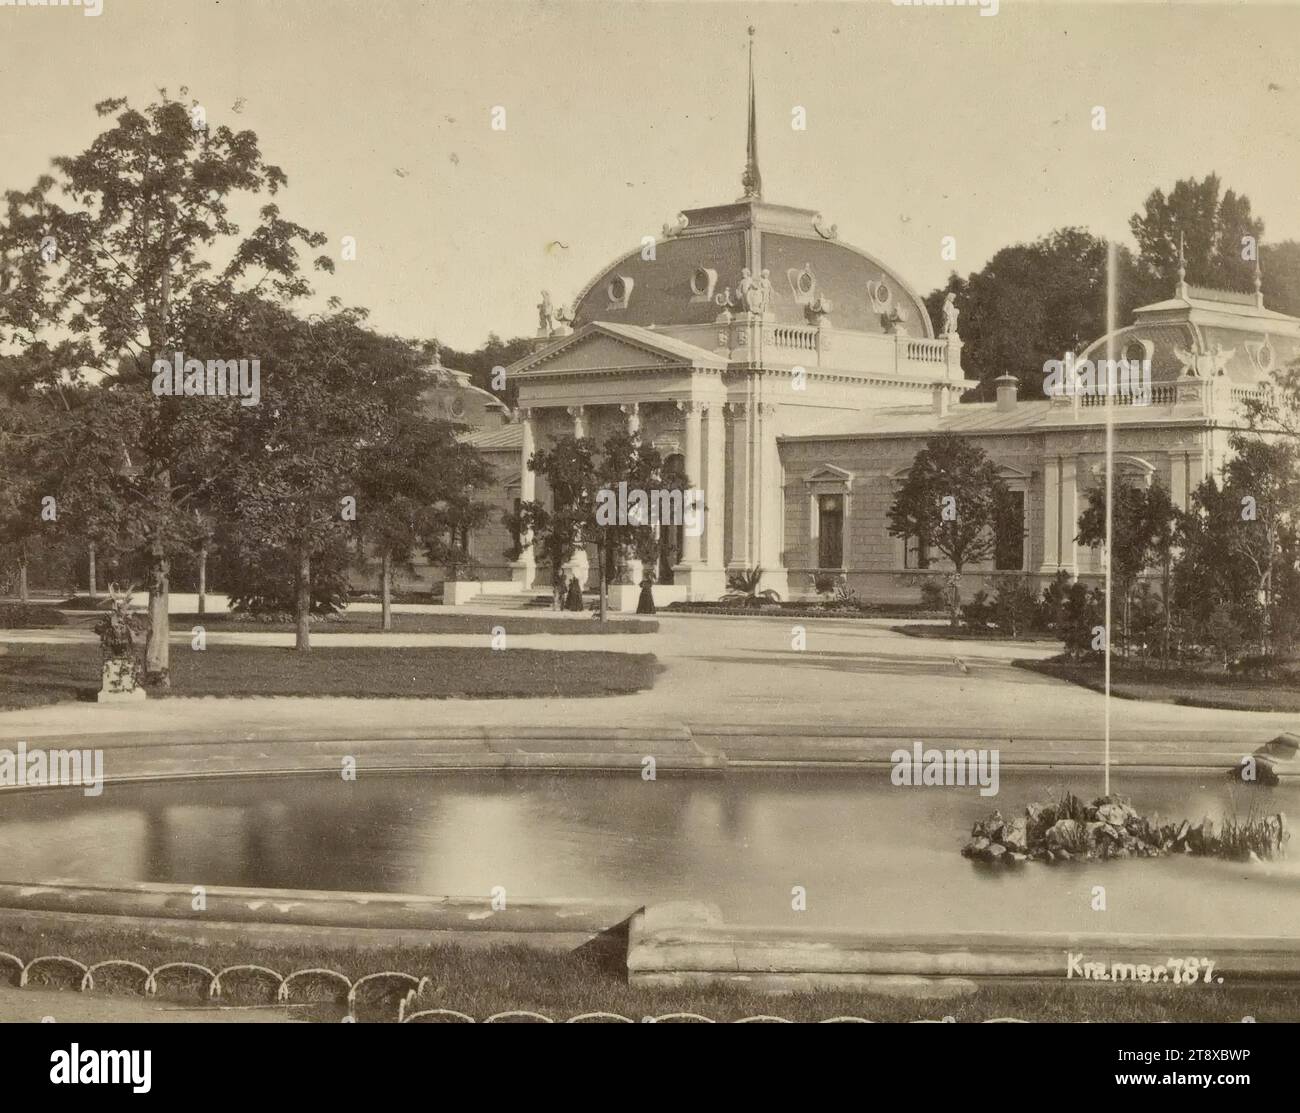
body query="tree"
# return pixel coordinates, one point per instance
(1281, 265)
(568, 466)
(1207, 575)
(139, 240)
(624, 459)
(292, 485)
(1213, 226)
(1034, 302)
(954, 501)
(1141, 531)
(578, 470)
(416, 485)
(1262, 482)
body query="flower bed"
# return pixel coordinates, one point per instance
(809, 610)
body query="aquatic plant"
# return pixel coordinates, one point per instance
(1065, 829)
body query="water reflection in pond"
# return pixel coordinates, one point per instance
(870, 855)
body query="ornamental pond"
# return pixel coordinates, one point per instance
(856, 844)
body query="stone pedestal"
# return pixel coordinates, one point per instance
(118, 683)
(523, 572)
(577, 565)
(704, 584)
(631, 572)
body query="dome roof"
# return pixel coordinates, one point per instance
(701, 258)
(1203, 333)
(694, 272)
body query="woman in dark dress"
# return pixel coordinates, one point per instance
(573, 601)
(645, 603)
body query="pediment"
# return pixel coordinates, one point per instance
(598, 352)
(828, 474)
(605, 347)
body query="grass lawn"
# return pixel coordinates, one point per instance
(947, 633)
(483, 981)
(31, 675)
(1187, 687)
(356, 622)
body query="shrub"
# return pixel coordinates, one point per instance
(264, 581)
(745, 589)
(25, 616)
(1056, 596)
(1146, 620)
(1224, 633)
(933, 597)
(978, 613)
(1015, 608)
(842, 597)
(1083, 613)
(824, 583)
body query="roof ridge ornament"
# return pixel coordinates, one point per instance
(751, 179)
(1259, 279)
(826, 231)
(677, 227)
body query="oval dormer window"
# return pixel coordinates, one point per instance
(619, 290)
(805, 282)
(703, 281)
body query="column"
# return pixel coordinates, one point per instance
(715, 486)
(1051, 515)
(1070, 469)
(739, 556)
(694, 472)
(769, 499)
(579, 422)
(1178, 469)
(523, 569)
(632, 411)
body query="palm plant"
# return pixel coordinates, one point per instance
(745, 589)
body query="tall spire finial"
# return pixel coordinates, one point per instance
(1259, 279)
(1182, 268)
(752, 180)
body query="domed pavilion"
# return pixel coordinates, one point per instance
(793, 377)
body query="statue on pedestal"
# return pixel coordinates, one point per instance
(950, 314)
(120, 676)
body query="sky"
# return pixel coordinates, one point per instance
(922, 123)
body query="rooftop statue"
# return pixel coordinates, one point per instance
(546, 318)
(950, 314)
(756, 293)
(551, 320)
(1199, 364)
